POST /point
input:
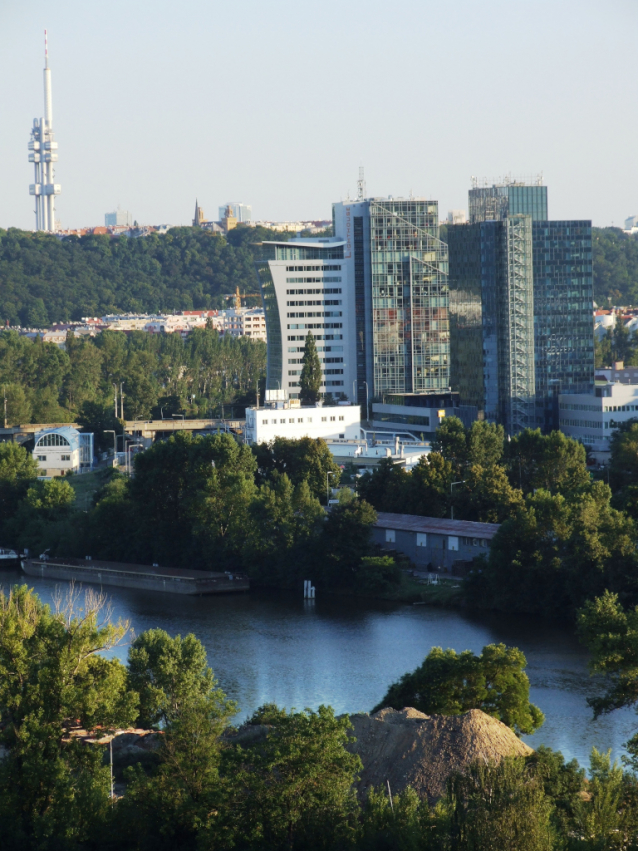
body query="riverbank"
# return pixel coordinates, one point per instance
(274, 646)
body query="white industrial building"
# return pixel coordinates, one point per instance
(289, 419)
(593, 418)
(305, 289)
(63, 450)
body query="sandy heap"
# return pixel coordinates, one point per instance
(409, 748)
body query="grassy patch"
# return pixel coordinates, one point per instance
(85, 486)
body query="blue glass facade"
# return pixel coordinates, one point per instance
(563, 303)
(526, 288)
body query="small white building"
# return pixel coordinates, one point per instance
(593, 418)
(292, 420)
(62, 450)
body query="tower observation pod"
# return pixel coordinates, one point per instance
(43, 152)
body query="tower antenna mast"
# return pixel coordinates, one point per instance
(43, 152)
(361, 185)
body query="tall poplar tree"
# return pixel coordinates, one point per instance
(310, 380)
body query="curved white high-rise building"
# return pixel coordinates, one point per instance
(43, 152)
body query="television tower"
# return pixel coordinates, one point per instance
(43, 152)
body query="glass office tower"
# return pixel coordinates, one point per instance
(524, 287)
(563, 303)
(492, 203)
(399, 268)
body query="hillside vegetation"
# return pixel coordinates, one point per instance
(44, 279)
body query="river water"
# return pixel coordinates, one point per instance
(276, 648)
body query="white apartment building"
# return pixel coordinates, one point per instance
(289, 419)
(305, 289)
(593, 418)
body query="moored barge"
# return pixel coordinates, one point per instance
(140, 576)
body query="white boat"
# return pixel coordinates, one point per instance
(8, 558)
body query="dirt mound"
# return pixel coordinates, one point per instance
(409, 748)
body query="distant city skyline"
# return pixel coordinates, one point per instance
(288, 129)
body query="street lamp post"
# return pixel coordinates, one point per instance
(462, 482)
(367, 404)
(329, 473)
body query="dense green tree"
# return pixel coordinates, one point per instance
(428, 487)
(499, 806)
(553, 462)
(451, 442)
(385, 487)
(485, 443)
(198, 375)
(96, 417)
(170, 674)
(310, 378)
(623, 462)
(347, 539)
(18, 469)
(615, 261)
(404, 823)
(487, 495)
(54, 791)
(180, 802)
(603, 819)
(449, 683)
(18, 406)
(610, 633)
(555, 553)
(284, 524)
(177, 482)
(295, 788)
(564, 783)
(304, 460)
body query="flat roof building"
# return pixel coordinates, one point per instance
(290, 420)
(434, 543)
(305, 289)
(592, 418)
(521, 299)
(118, 218)
(397, 270)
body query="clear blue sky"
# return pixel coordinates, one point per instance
(278, 103)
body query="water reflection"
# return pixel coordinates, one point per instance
(278, 648)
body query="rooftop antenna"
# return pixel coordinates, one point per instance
(361, 185)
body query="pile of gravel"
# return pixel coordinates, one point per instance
(408, 748)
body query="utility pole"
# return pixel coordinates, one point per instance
(122, 398)
(4, 393)
(115, 398)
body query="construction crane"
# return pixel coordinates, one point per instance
(237, 297)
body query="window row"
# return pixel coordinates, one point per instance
(313, 280)
(326, 268)
(327, 291)
(332, 302)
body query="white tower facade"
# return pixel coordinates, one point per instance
(43, 152)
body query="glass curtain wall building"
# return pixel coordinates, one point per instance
(521, 296)
(304, 288)
(493, 203)
(399, 267)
